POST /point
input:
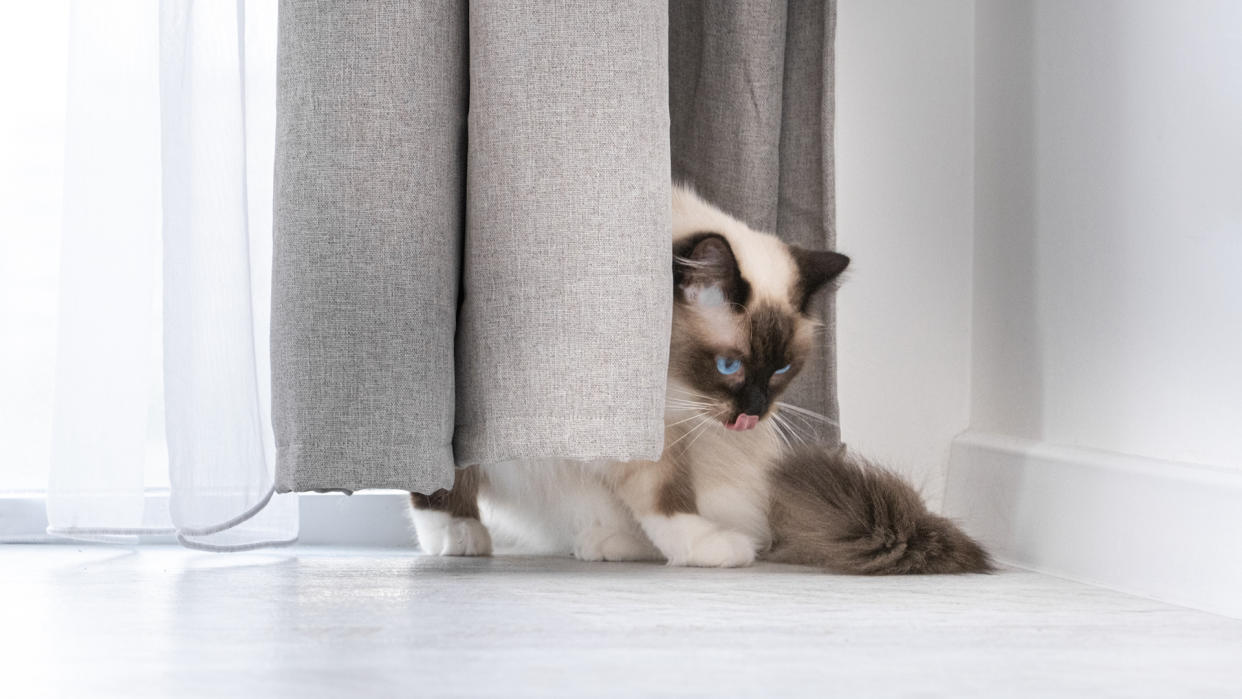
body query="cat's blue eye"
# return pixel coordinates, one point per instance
(782, 370)
(728, 366)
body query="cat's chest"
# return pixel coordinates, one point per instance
(730, 478)
(734, 456)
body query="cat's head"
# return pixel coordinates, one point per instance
(741, 331)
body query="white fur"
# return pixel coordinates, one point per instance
(692, 540)
(553, 506)
(718, 324)
(731, 478)
(602, 543)
(440, 534)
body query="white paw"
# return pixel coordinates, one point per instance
(607, 544)
(691, 540)
(720, 549)
(440, 534)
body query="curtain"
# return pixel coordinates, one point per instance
(162, 363)
(472, 251)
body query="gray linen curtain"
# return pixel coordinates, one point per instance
(472, 256)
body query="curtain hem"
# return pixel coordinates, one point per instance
(349, 467)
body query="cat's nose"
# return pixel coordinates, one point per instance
(753, 401)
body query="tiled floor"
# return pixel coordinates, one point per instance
(166, 622)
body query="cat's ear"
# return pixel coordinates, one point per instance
(705, 271)
(815, 269)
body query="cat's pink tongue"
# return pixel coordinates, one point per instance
(743, 422)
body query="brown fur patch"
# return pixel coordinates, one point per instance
(815, 269)
(708, 261)
(676, 494)
(850, 516)
(461, 501)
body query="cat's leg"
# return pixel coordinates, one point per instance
(661, 495)
(447, 521)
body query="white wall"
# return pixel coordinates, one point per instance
(1106, 411)
(1005, 348)
(905, 140)
(1109, 227)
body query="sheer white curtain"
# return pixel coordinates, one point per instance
(164, 279)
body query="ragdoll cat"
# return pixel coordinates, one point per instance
(729, 485)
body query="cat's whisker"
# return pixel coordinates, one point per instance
(799, 432)
(809, 413)
(673, 411)
(687, 262)
(682, 401)
(701, 433)
(779, 431)
(689, 392)
(785, 405)
(791, 432)
(674, 389)
(704, 420)
(685, 419)
(678, 412)
(777, 420)
(803, 422)
(804, 432)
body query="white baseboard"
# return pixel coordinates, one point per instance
(1165, 530)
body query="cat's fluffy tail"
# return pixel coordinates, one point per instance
(846, 514)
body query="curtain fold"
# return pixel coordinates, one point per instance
(369, 208)
(566, 279)
(163, 354)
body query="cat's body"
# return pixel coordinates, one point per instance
(563, 507)
(740, 334)
(587, 509)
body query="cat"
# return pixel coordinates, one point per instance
(730, 484)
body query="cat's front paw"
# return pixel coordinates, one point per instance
(441, 534)
(720, 549)
(600, 543)
(690, 540)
